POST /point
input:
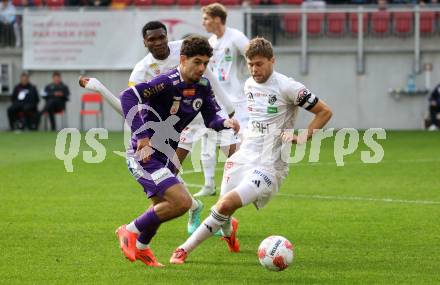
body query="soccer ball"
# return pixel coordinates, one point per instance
(275, 253)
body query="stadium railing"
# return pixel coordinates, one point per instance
(302, 29)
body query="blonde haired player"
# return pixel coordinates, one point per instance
(226, 65)
(255, 172)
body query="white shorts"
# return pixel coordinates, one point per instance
(263, 182)
(197, 129)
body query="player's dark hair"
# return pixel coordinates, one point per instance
(153, 25)
(216, 10)
(196, 45)
(259, 47)
(56, 73)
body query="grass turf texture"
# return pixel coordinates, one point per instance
(58, 227)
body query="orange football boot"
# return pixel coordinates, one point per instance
(232, 240)
(127, 242)
(179, 256)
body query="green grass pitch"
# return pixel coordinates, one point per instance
(357, 224)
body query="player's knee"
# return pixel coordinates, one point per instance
(225, 207)
(183, 205)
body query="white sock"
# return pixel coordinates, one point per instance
(208, 158)
(131, 227)
(209, 172)
(140, 245)
(208, 228)
(194, 204)
(227, 228)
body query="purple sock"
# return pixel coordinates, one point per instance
(147, 224)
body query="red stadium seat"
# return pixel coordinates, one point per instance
(55, 3)
(292, 24)
(186, 2)
(315, 24)
(164, 2)
(206, 2)
(143, 3)
(336, 24)
(402, 23)
(353, 23)
(37, 2)
(17, 3)
(96, 100)
(380, 23)
(293, 2)
(427, 22)
(230, 2)
(267, 3)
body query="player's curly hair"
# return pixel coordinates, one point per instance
(259, 47)
(196, 45)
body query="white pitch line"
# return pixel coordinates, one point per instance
(351, 198)
(345, 198)
(302, 164)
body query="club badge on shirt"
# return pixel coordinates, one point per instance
(155, 68)
(197, 104)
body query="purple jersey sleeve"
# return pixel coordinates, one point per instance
(209, 112)
(134, 96)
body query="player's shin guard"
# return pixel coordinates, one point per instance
(147, 224)
(208, 227)
(227, 228)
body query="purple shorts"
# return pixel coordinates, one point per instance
(154, 176)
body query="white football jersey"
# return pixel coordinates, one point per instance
(273, 108)
(227, 61)
(150, 67)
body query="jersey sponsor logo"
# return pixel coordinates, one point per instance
(272, 98)
(250, 96)
(229, 165)
(173, 75)
(257, 182)
(160, 175)
(266, 179)
(203, 82)
(189, 92)
(187, 101)
(134, 168)
(197, 104)
(153, 90)
(228, 56)
(260, 127)
(272, 109)
(155, 68)
(175, 107)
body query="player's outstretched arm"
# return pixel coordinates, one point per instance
(322, 116)
(93, 84)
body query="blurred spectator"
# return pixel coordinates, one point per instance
(98, 3)
(434, 109)
(56, 95)
(382, 4)
(8, 24)
(266, 24)
(314, 4)
(24, 102)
